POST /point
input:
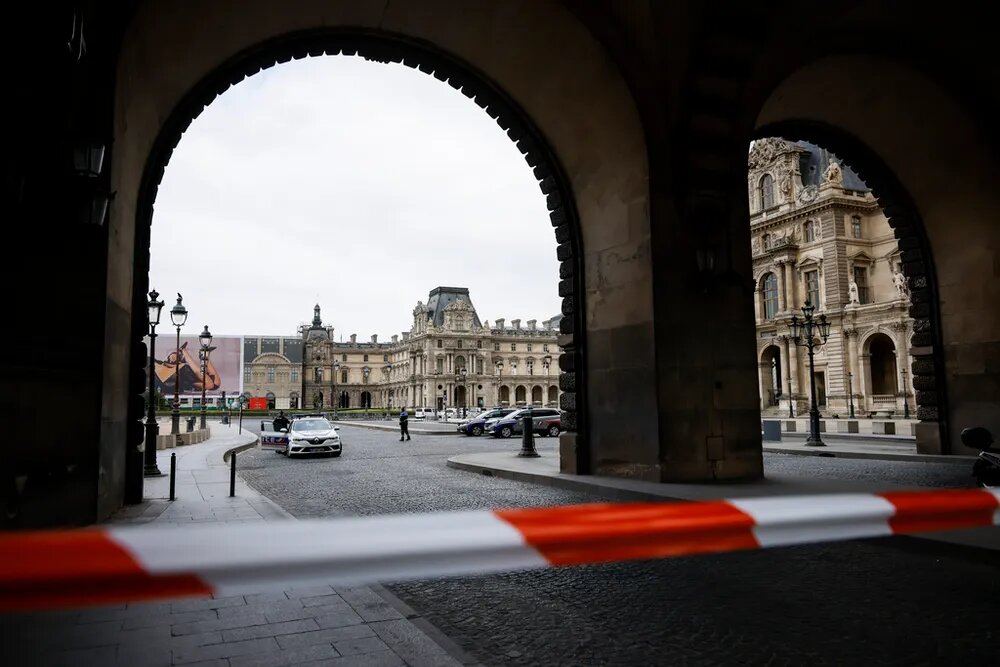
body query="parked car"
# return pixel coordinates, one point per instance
(276, 441)
(420, 413)
(449, 413)
(312, 435)
(545, 421)
(476, 425)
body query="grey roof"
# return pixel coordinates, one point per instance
(441, 297)
(814, 162)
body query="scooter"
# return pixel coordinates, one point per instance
(986, 469)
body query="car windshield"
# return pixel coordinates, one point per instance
(312, 425)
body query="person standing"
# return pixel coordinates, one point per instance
(404, 428)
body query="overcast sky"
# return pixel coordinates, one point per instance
(357, 185)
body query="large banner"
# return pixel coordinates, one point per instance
(222, 374)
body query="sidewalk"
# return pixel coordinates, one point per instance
(340, 626)
(423, 428)
(885, 448)
(545, 470)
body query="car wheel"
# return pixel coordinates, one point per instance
(553, 431)
(477, 430)
(506, 432)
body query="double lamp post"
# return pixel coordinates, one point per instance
(804, 334)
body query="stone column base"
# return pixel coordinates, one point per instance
(928, 436)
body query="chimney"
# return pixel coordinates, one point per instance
(500, 322)
(516, 324)
(395, 339)
(406, 336)
(375, 338)
(354, 339)
(533, 324)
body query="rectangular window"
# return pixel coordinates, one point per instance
(440, 344)
(460, 345)
(861, 278)
(529, 347)
(479, 344)
(366, 357)
(531, 368)
(496, 347)
(270, 374)
(545, 347)
(513, 347)
(343, 357)
(812, 288)
(318, 374)
(295, 375)
(440, 365)
(343, 377)
(856, 227)
(385, 357)
(246, 374)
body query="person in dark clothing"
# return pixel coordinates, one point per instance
(281, 421)
(404, 428)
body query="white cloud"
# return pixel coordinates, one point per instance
(354, 184)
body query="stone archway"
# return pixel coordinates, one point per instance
(553, 396)
(521, 395)
(460, 397)
(537, 396)
(504, 395)
(771, 372)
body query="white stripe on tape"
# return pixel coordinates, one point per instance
(800, 519)
(347, 550)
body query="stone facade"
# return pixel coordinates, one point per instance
(504, 364)
(818, 234)
(272, 368)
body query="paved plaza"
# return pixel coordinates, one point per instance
(882, 601)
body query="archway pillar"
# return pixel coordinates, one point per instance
(709, 416)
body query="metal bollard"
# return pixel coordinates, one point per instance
(173, 473)
(528, 438)
(232, 475)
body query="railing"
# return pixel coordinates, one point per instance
(883, 402)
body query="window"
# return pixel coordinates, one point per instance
(766, 191)
(460, 345)
(531, 367)
(366, 357)
(440, 344)
(529, 347)
(343, 357)
(270, 373)
(440, 365)
(496, 347)
(295, 375)
(343, 377)
(861, 278)
(479, 344)
(856, 228)
(769, 288)
(812, 288)
(318, 374)
(513, 347)
(246, 374)
(545, 347)
(810, 230)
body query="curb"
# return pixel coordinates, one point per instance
(881, 456)
(241, 448)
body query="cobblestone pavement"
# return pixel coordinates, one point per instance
(897, 601)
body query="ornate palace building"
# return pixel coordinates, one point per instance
(448, 358)
(818, 234)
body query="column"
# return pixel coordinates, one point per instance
(789, 387)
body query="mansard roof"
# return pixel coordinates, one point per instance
(442, 297)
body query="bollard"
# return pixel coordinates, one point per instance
(527, 437)
(173, 473)
(241, 418)
(232, 475)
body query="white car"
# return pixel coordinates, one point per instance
(312, 435)
(419, 413)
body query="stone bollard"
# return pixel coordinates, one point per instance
(527, 437)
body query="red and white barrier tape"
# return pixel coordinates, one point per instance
(116, 564)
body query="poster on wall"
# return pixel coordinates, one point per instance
(222, 373)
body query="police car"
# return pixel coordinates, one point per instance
(270, 439)
(312, 434)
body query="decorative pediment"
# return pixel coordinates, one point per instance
(862, 258)
(766, 151)
(808, 263)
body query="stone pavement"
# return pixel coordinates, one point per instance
(424, 428)
(319, 625)
(545, 470)
(860, 447)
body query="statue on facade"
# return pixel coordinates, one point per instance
(833, 174)
(899, 280)
(852, 294)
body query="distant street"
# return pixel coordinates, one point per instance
(885, 601)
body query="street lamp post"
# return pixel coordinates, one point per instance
(336, 396)
(178, 316)
(150, 469)
(499, 381)
(206, 349)
(806, 329)
(906, 398)
(460, 376)
(850, 392)
(545, 366)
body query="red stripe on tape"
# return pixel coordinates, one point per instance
(75, 568)
(922, 511)
(601, 533)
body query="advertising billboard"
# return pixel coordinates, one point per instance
(222, 373)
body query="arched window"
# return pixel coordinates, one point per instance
(766, 191)
(769, 290)
(810, 230)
